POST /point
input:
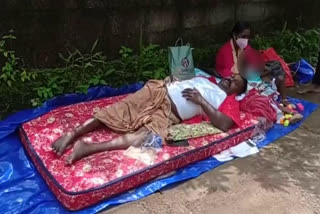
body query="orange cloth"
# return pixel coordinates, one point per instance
(149, 107)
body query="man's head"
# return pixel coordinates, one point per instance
(234, 85)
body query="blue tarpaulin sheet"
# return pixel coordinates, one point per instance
(22, 189)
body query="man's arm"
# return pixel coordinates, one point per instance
(217, 118)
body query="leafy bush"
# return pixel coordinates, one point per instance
(292, 46)
(81, 71)
(12, 68)
(21, 87)
(84, 70)
(204, 57)
(14, 79)
(153, 63)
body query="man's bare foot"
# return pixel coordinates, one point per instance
(310, 88)
(60, 145)
(80, 150)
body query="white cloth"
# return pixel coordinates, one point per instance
(211, 92)
(240, 97)
(241, 150)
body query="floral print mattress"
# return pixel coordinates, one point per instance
(106, 174)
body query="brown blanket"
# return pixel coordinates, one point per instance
(149, 107)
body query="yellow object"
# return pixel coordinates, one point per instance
(288, 116)
(286, 123)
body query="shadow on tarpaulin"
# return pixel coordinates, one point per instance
(22, 189)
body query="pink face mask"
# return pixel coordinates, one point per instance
(242, 43)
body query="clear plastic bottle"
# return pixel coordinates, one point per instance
(147, 152)
(152, 141)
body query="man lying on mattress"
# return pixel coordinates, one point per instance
(154, 108)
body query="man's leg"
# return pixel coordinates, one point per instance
(65, 140)
(82, 149)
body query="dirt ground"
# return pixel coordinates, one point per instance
(282, 179)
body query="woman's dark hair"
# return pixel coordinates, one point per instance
(239, 27)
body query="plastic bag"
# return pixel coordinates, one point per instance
(257, 136)
(303, 70)
(247, 147)
(152, 141)
(148, 150)
(181, 61)
(264, 125)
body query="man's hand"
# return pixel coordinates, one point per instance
(193, 95)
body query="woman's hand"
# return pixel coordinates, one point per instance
(193, 95)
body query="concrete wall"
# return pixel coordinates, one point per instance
(46, 27)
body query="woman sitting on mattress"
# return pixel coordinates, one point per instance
(227, 56)
(154, 108)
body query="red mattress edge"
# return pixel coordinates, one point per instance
(80, 200)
